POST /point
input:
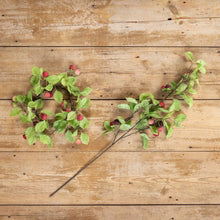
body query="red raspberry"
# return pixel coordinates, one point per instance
(111, 123)
(155, 135)
(78, 142)
(67, 110)
(160, 129)
(24, 136)
(80, 117)
(151, 121)
(51, 95)
(72, 67)
(162, 87)
(45, 74)
(168, 86)
(47, 95)
(162, 104)
(43, 116)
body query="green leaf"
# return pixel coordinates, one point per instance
(38, 104)
(163, 110)
(20, 98)
(191, 91)
(187, 99)
(24, 118)
(15, 111)
(41, 126)
(197, 82)
(31, 115)
(132, 100)
(131, 106)
(179, 119)
(84, 123)
(71, 80)
(73, 90)
(145, 140)
(154, 114)
(169, 129)
(83, 103)
(49, 87)
(142, 124)
(86, 91)
(201, 62)
(34, 80)
(75, 133)
(29, 132)
(60, 125)
(53, 79)
(189, 55)
(71, 116)
(202, 69)
(69, 136)
(121, 120)
(124, 106)
(31, 140)
(47, 112)
(45, 139)
(38, 89)
(29, 96)
(124, 127)
(181, 88)
(61, 116)
(107, 125)
(58, 96)
(84, 138)
(175, 105)
(154, 129)
(62, 75)
(144, 96)
(173, 85)
(74, 123)
(36, 71)
(168, 115)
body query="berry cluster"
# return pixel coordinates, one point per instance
(69, 120)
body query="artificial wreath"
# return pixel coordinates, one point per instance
(44, 123)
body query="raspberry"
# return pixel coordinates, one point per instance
(160, 129)
(162, 104)
(111, 123)
(162, 87)
(43, 116)
(67, 110)
(77, 71)
(47, 95)
(168, 86)
(72, 67)
(45, 74)
(151, 121)
(116, 122)
(80, 117)
(51, 95)
(155, 135)
(78, 142)
(24, 136)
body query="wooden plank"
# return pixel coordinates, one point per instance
(109, 23)
(200, 132)
(112, 73)
(196, 212)
(116, 178)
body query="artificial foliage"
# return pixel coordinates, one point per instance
(148, 113)
(43, 122)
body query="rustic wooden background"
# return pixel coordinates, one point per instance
(123, 48)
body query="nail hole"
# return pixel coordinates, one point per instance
(190, 147)
(177, 199)
(14, 155)
(184, 2)
(16, 41)
(169, 1)
(218, 51)
(101, 95)
(9, 216)
(164, 73)
(137, 57)
(3, 15)
(130, 182)
(34, 144)
(210, 72)
(51, 50)
(172, 218)
(112, 104)
(169, 19)
(24, 173)
(170, 197)
(162, 95)
(72, 146)
(56, 156)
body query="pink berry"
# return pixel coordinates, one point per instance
(162, 104)
(62, 104)
(51, 95)
(162, 87)
(12, 104)
(111, 123)
(45, 74)
(24, 136)
(155, 135)
(160, 129)
(78, 142)
(47, 95)
(43, 116)
(13, 98)
(77, 72)
(151, 121)
(72, 67)
(67, 110)
(80, 117)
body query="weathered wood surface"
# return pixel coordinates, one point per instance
(116, 178)
(200, 132)
(204, 212)
(112, 73)
(109, 23)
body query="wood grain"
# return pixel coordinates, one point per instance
(205, 212)
(200, 132)
(112, 73)
(109, 23)
(116, 178)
